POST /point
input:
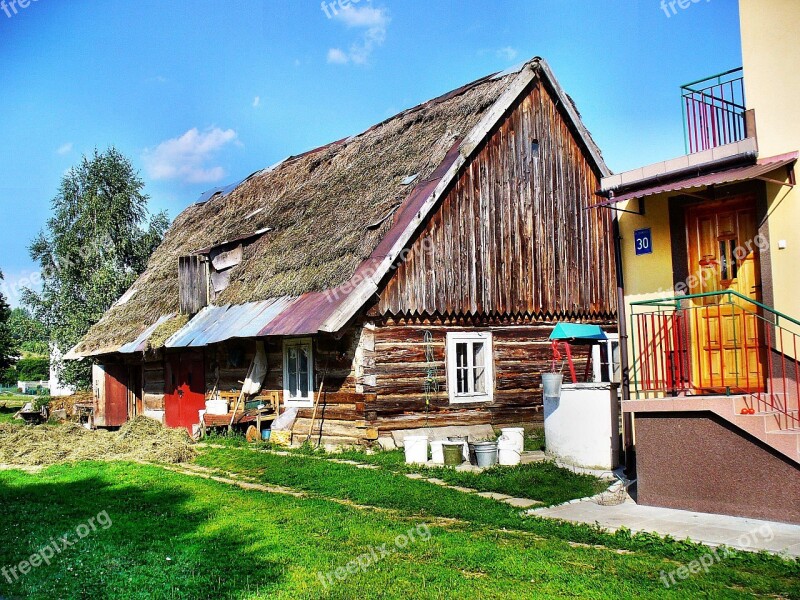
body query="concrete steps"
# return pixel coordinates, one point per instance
(769, 427)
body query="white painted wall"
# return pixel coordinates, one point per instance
(582, 426)
(56, 361)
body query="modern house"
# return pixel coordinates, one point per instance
(404, 277)
(709, 248)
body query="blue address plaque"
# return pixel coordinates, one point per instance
(643, 241)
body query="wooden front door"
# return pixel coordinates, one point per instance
(727, 339)
(185, 395)
(115, 411)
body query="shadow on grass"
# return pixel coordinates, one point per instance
(156, 542)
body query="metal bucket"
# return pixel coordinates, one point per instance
(485, 453)
(551, 384)
(453, 453)
(464, 441)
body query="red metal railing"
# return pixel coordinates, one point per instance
(713, 111)
(718, 343)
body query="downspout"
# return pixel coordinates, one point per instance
(627, 420)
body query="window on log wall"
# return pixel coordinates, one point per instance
(470, 376)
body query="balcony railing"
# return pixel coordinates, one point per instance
(713, 111)
(717, 343)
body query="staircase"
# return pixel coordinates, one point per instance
(768, 426)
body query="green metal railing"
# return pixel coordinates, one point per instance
(679, 345)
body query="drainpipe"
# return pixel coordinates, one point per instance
(627, 420)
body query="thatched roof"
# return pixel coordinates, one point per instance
(326, 210)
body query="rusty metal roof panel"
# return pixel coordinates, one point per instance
(215, 324)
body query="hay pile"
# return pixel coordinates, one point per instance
(68, 402)
(141, 439)
(319, 208)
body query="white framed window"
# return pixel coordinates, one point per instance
(470, 376)
(298, 372)
(606, 360)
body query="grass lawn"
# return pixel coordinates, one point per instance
(176, 536)
(543, 481)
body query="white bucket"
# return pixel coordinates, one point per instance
(416, 447)
(507, 453)
(516, 435)
(437, 454)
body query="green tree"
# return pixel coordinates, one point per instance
(8, 352)
(94, 247)
(29, 333)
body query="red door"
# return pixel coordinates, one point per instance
(185, 393)
(116, 396)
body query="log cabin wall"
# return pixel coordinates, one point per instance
(513, 236)
(521, 351)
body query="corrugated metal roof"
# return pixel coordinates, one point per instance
(216, 324)
(138, 345)
(761, 168)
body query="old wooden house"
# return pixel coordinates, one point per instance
(404, 277)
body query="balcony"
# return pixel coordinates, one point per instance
(714, 111)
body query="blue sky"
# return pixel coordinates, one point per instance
(202, 93)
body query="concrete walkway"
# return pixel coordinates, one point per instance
(713, 530)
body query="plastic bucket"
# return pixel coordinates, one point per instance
(551, 384)
(265, 433)
(437, 456)
(463, 440)
(507, 453)
(485, 453)
(416, 447)
(453, 453)
(516, 435)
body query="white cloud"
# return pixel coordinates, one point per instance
(65, 148)
(256, 101)
(337, 57)
(187, 157)
(366, 16)
(373, 22)
(507, 53)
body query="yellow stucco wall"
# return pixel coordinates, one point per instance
(770, 31)
(646, 276)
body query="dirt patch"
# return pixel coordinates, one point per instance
(142, 439)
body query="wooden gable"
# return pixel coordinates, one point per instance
(513, 234)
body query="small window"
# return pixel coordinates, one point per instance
(298, 373)
(469, 367)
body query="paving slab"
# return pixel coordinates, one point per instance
(415, 476)
(436, 481)
(521, 502)
(714, 530)
(532, 456)
(493, 495)
(458, 488)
